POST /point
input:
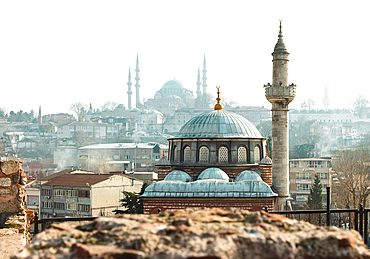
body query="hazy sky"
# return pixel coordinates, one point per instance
(54, 53)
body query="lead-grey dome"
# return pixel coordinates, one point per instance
(218, 124)
(178, 175)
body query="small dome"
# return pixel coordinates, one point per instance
(163, 161)
(120, 106)
(89, 112)
(248, 175)
(266, 161)
(135, 110)
(213, 173)
(97, 111)
(178, 175)
(218, 124)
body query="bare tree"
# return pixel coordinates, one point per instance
(79, 109)
(307, 104)
(109, 105)
(360, 104)
(352, 167)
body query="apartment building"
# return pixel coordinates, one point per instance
(79, 195)
(302, 174)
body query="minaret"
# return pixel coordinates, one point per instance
(40, 116)
(280, 94)
(204, 76)
(326, 99)
(129, 92)
(199, 93)
(137, 85)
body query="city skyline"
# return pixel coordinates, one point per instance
(55, 54)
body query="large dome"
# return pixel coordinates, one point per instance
(173, 84)
(218, 124)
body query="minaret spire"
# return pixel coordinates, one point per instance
(199, 93)
(137, 85)
(129, 92)
(204, 77)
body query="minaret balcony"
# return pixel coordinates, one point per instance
(280, 91)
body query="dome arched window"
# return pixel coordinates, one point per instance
(187, 154)
(223, 155)
(257, 156)
(175, 154)
(203, 154)
(242, 155)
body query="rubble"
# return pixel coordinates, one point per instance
(208, 233)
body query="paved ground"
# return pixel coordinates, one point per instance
(10, 244)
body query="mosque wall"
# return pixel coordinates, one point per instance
(151, 206)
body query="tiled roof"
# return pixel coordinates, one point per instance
(78, 180)
(52, 176)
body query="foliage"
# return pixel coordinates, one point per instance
(265, 128)
(81, 138)
(2, 112)
(79, 109)
(206, 101)
(132, 202)
(352, 168)
(21, 116)
(314, 201)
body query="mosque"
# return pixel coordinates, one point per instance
(219, 158)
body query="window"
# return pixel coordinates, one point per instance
(71, 206)
(187, 154)
(71, 193)
(304, 175)
(242, 155)
(303, 187)
(323, 175)
(46, 192)
(33, 200)
(59, 192)
(143, 151)
(175, 155)
(46, 204)
(83, 207)
(223, 155)
(84, 194)
(59, 205)
(257, 157)
(203, 154)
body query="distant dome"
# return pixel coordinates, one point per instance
(218, 124)
(178, 175)
(248, 175)
(173, 84)
(172, 96)
(97, 111)
(120, 106)
(89, 112)
(213, 173)
(135, 110)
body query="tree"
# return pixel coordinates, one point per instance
(132, 202)
(307, 104)
(206, 101)
(360, 104)
(109, 105)
(352, 167)
(79, 109)
(314, 201)
(2, 112)
(81, 138)
(265, 128)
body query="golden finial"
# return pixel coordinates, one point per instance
(163, 154)
(218, 105)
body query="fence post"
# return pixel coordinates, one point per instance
(356, 220)
(361, 220)
(366, 227)
(328, 205)
(36, 223)
(266, 209)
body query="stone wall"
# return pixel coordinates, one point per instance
(151, 205)
(12, 193)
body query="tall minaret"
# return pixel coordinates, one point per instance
(204, 76)
(199, 93)
(137, 85)
(326, 99)
(40, 116)
(129, 92)
(280, 94)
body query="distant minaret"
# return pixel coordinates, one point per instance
(204, 76)
(129, 92)
(326, 99)
(199, 93)
(40, 116)
(280, 94)
(137, 85)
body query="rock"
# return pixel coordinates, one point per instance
(208, 234)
